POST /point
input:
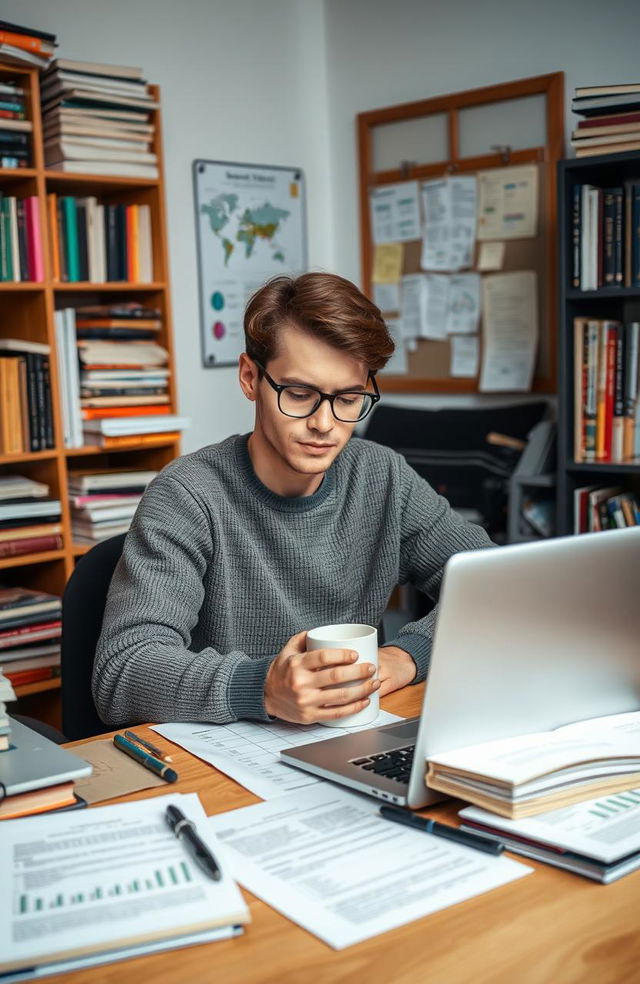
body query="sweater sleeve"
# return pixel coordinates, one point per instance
(431, 533)
(144, 669)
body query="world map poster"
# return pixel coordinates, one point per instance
(251, 226)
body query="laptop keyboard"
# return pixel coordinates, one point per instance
(395, 764)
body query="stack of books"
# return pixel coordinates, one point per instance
(123, 374)
(29, 519)
(99, 243)
(612, 119)
(606, 397)
(20, 239)
(25, 45)
(97, 119)
(599, 838)
(26, 419)
(15, 128)
(6, 694)
(606, 236)
(28, 617)
(38, 776)
(523, 775)
(103, 503)
(604, 508)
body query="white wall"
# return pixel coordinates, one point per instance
(381, 53)
(241, 80)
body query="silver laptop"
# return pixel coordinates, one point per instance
(32, 762)
(529, 637)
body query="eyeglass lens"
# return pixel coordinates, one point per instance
(300, 401)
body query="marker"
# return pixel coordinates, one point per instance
(464, 837)
(132, 736)
(149, 762)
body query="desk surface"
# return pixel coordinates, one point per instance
(552, 927)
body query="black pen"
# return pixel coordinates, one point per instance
(185, 830)
(464, 837)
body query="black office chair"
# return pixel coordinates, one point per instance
(83, 604)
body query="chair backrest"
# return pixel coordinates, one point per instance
(83, 604)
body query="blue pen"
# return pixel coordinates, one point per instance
(149, 762)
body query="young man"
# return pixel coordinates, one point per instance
(240, 548)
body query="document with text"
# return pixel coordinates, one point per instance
(327, 860)
(249, 751)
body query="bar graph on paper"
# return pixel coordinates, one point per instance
(611, 805)
(170, 876)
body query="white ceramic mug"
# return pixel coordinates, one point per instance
(363, 639)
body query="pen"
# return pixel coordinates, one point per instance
(185, 830)
(153, 764)
(132, 736)
(464, 837)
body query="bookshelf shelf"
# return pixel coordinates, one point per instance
(27, 559)
(24, 286)
(27, 313)
(17, 173)
(616, 303)
(99, 182)
(604, 293)
(11, 459)
(114, 285)
(37, 688)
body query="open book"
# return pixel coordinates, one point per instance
(529, 774)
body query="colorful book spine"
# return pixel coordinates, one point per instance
(28, 545)
(71, 238)
(34, 239)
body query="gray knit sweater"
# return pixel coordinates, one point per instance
(218, 572)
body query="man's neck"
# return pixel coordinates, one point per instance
(276, 475)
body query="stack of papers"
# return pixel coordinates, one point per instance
(99, 885)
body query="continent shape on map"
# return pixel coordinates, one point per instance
(253, 224)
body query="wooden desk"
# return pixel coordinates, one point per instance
(551, 927)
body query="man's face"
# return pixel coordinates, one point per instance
(295, 447)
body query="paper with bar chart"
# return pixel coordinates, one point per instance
(605, 829)
(101, 879)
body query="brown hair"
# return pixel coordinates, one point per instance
(327, 306)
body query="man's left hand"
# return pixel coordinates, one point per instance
(396, 669)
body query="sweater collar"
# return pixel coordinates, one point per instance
(285, 503)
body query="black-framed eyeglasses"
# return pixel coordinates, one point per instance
(299, 400)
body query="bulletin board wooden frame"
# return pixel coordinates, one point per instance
(429, 364)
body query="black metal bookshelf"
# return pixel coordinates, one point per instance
(617, 303)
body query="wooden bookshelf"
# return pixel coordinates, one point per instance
(618, 303)
(27, 311)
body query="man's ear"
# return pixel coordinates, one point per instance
(248, 376)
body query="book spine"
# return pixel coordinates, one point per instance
(579, 380)
(71, 238)
(111, 242)
(41, 402)
(32, 397)
(34, 239)
(13, 233)
(124, 439)
(4, 241)
(121, 222)
(631, 387)
(23, 252)
(618, 236)
(35, 544)
(635, 237)
(54, 241)
(610, 356)
(591, 390)
(48, 407)
(599, 237)
(62, 241)
(608, 261)
(617, 431)
(27, 42)
(576, 227)
(24, 405)
(83, 246)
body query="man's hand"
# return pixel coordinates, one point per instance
(295, 686)
(396, 669)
